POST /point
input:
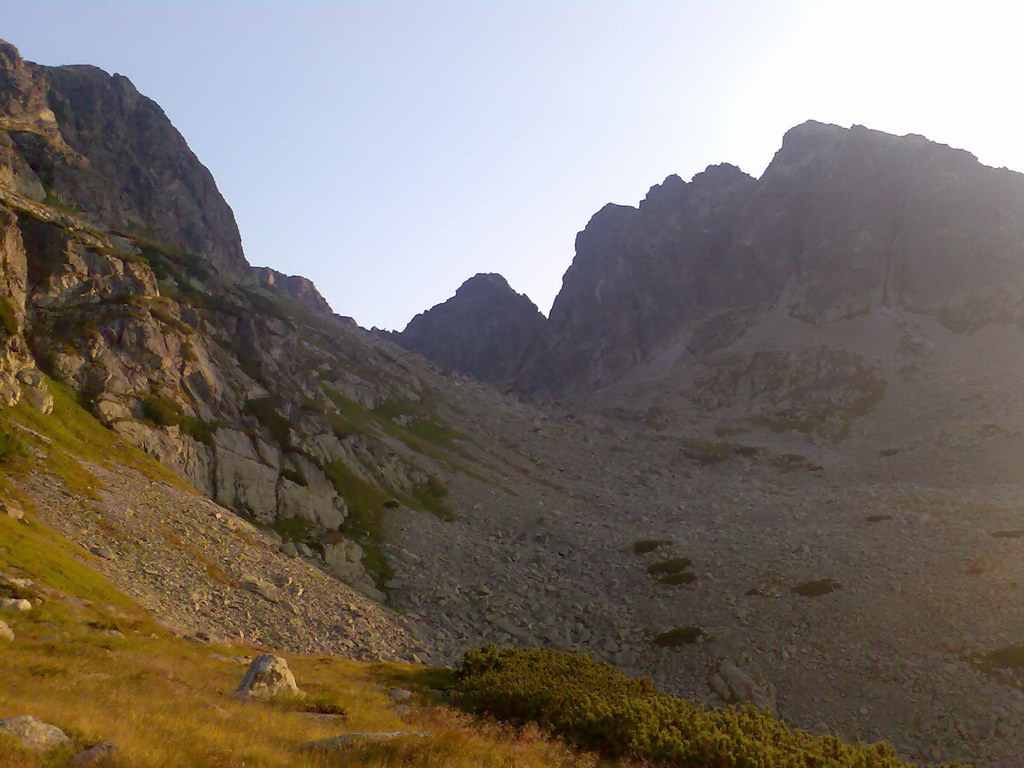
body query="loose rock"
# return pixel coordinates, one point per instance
(34, 733)
(267, 676)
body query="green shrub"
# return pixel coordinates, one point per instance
(8, 318)
(430, 496)
(593, 706)
(678, 636)
(678, 565)
(162, 411)
(11, 448)
(265, 409)
(646, 546)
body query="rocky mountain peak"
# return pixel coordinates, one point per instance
(485, 329)
(88, 140)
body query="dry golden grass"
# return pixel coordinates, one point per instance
(166, 702)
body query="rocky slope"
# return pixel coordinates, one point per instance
(485, 330)
(124, 279)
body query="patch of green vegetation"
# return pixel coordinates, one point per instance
(1018, 534)
(171, 321)
(646, 546)
(678, 636)
(294, 475)
(270, 306)
(595, 707)
(296, 528)
(676, 565)
(817, 588)
(708, 452)
(162, 411)
(267, 412)
(68, 434)
(11, 448)
(1011, 657)
(430, 496)
(364, 523)
(8, 318)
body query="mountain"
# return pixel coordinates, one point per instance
(782, 467)
(485, 329)
(842, 224)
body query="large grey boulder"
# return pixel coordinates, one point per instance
(737, 686)
(33, 733)
(266, 677)
(343, 558)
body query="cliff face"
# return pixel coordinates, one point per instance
(123, 279)
(842, 223)
(80, 138)
(485, 329)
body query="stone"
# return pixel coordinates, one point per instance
(39, 398)
(6, 633)
(11, 510)
(260, 587)
(102, 551)
(92, 756)
(266, 677)
(399, 694)
(737, 686)
(15, 604)
(33, 733)
(289, 549)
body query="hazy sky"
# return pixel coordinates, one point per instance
(390, 150)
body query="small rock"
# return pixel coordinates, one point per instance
(92, 756)
(400, 694)
(6, 508)
(259, 587)
(267, 676)
(15, 604)
(6, 633)
(105, 552)
(289, 549)
(34, 733)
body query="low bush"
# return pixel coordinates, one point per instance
(592, 705)
(677, 565)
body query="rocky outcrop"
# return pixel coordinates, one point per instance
(125, 281)
(32, 733)
(485, 329)
(843, 223)
(90, 141)
(266, 677)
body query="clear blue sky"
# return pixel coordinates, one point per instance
(390, 150)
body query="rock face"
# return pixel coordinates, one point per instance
(266, 677)
(91, 141)
(843, 223)
(485, 329)
(33, 733)
(122, 275)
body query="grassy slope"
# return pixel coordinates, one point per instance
(167, 702)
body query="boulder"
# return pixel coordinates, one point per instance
(343, 558)
(737, 686)
(33, 733)
(6, 508)
(6, 633)
(260, 587)
(267, 676)
(39, 398)
(15, 604)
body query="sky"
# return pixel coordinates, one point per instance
(391, 150)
